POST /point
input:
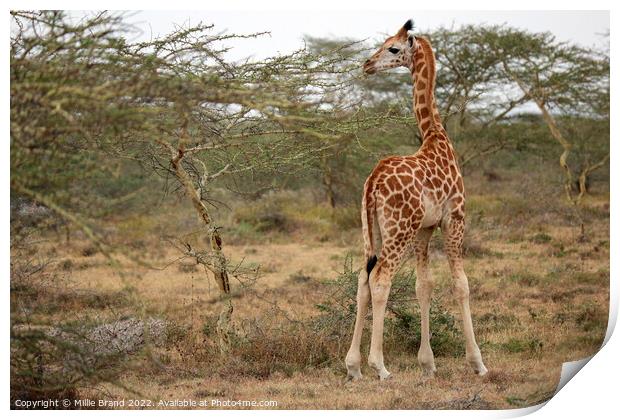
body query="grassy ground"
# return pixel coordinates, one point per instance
(539, 297)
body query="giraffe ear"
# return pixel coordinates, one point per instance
(410, 39)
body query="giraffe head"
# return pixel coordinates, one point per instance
(396, 51)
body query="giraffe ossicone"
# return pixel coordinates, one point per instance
(407, 198)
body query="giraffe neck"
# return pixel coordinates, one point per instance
(423, 74)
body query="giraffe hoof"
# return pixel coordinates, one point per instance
(385, 375)
(481, 371)
(429, 373)
(353, 377)
(479, 368)
(428, 366)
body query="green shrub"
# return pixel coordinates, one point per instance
(285, 212)
(346, 218)
(517, 345)
(263, 216)
(402, 323)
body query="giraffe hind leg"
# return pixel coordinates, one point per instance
(424, 290)
(354, 358)
(380, 282)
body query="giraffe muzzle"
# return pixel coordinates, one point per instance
(369, 67)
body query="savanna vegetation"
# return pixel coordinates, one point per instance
(187, 227)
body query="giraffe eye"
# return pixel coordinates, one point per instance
(393, 50)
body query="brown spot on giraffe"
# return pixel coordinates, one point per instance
(392, 183)
(406, 178)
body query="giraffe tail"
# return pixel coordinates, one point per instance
(368, 221)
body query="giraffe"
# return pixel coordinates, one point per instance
(405, 199)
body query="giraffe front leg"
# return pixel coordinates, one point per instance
(454, 227)
(354, 358)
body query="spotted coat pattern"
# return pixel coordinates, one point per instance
(406, 193)
(405, 198)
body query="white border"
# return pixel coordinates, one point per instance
(593, 394)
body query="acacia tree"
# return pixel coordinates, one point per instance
(471, 93)
(370, 111)
(477, 96)
(560, 79)
(83, 97)
(566, 82)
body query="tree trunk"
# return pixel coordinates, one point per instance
(217, 265)
(328, 182)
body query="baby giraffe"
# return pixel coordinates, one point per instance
(405, 199)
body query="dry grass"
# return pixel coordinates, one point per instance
(539, 298)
